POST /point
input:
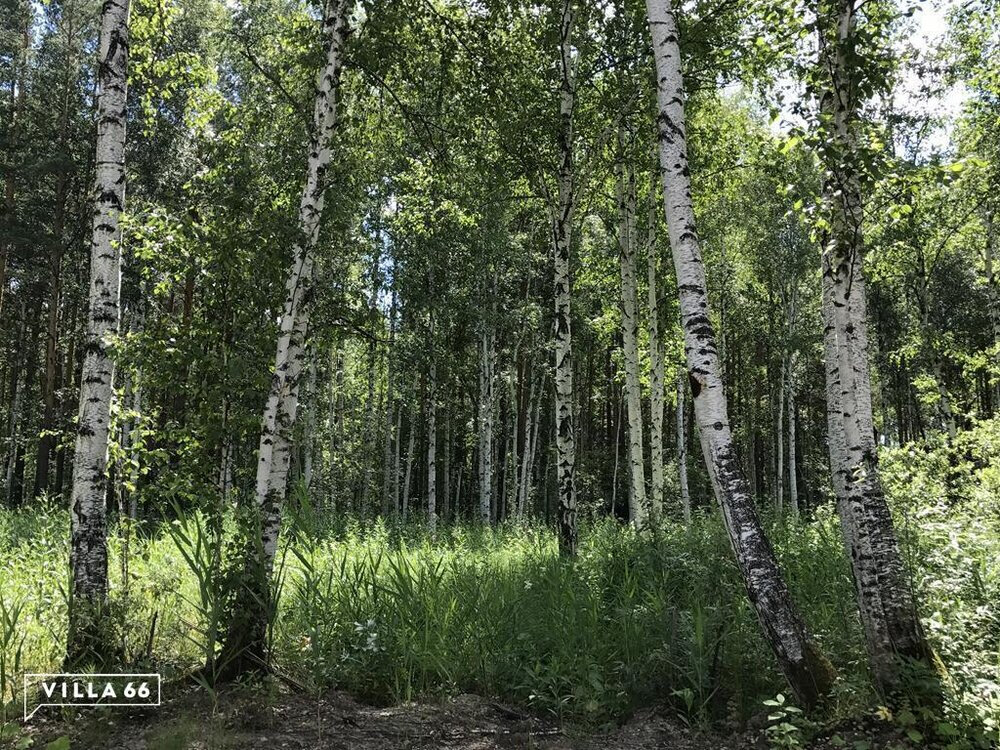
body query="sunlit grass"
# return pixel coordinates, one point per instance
(390, 613)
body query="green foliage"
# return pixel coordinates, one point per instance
(386, 612)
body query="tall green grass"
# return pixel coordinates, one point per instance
(389, 613)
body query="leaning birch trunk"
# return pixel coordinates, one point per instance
(893, 632)
(682, 456)
(88, 523)
(808, 672)
(245, 646)
(655, 385)
(630, 335)
(562, 219)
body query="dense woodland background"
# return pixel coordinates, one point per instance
(429, 397)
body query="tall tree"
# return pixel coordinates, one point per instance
(245, 647)
(625, 179)
(888, 611)
(562, 225)
(88, 519)
(808, 672)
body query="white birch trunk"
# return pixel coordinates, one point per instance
(245, 646)
(888, 611)
(526, 430)
(432, 441)
(682, 453)
(779, 478)
(807, 671)
(486, 384)
(656, 383)
(793, 482)
(88, 523)
(561, 239)
(411, 448)
(309, 428)
(280, 411)
(446, 470)
(630, 334)
(388, 501)
(397, 471)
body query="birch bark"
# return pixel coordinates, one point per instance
(561, 235)
(89, 552)
(682, 458)
(808, 672)
(656, 384)
(630, 334)
(411, 448)
(486, 385)
(893, 632)
(432, 437)
(280, 411)
(793, 482)
(779, 479)
(245, 645)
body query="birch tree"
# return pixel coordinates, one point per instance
(892, 628)
(808, 672)
(656, 383)
(630, 334)
(245, 647)
(88, 519)
(682, 469)
(562, 223)
(487, 359)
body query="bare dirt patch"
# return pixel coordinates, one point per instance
(245, 718)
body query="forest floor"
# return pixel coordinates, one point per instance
(242, 718)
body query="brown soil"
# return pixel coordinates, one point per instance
(251, 719)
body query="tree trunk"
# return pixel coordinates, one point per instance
(446, 469)
(656, 379)
(411, 449)
(806, 669)
(245, 647)
(388, 502)
(779, 479)
(793, 484)
(20, 79)
(14, 397)
(888, 611)
(89, 551)
(396, 468)
(25, 403)
(309, 426)
(561, 235)
(432, 439)
(993, 295)
(526, 432)
(682, 458)
(486, 384)
(625, 179)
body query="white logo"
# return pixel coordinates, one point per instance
(71, 689)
